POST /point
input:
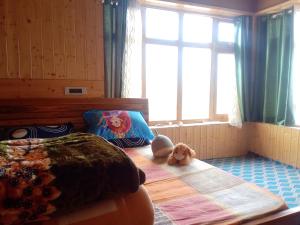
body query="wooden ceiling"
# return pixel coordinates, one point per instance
(251, 6)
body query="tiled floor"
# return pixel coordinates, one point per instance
(279, 178)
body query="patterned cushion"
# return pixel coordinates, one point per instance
(123, 128)
(36, 131)
(129, 142)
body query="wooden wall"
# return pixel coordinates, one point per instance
(209, 140)
(276, 142)
(47, 45)
(264, 4)
(222, 140)
(241, 5)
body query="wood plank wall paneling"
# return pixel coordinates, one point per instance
(222, 140)
(250, 6)
(276, 142)
(264, 4)
(241, 5)
(16, 89)
(209, 141)
(50, 42)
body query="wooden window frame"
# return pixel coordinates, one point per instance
(215, 46)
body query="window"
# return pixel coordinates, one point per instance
(187, 59)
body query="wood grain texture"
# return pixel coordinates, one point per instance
(275, 142)
(251, 6)
(209, 140)
(3, 41)
(12, 49)
(16, 88)
(56, 111)
(264, 4)
(51, 40)
(241, 5)
(286, 217)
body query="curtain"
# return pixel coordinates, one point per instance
(114, 20)
(273, 72)
(234, 112)
(243, 59)
(132, 62)
(296, 65)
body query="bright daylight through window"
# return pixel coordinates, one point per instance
(188, 58)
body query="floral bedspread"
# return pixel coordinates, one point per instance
(47, 177)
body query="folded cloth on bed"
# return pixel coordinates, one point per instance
(200, 193)
(42, 177)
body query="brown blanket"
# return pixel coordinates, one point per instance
(42, 177)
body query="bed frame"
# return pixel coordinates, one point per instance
(55, 111)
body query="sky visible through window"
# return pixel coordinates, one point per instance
(197, 28)
(162, 24)
(165, 59)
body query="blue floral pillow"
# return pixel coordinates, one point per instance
(123, 128)
(22, 132)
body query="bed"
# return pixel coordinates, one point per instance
(165, 186)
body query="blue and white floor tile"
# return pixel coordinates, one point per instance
(279, 178)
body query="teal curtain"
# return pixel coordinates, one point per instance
(114, 21)
(243, 58)
(273, 69)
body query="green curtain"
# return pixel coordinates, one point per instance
(243, 58)
(273, 69)
(114, 20)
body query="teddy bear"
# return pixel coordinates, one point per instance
(182, 155)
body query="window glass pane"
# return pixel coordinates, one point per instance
(161, 81)
(225, 81)
(197, 29)
(196, 70)
(226, 32)
(162, 24)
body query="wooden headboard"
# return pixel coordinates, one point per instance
(14, 112)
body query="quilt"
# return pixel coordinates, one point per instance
(200, 193)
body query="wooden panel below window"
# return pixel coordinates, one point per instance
(276, 142)
(221, 140)
(208, 140)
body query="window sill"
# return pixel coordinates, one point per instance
(157, 126)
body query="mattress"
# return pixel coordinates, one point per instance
(131, 209)
(200, 193)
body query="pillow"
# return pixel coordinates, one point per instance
(122, 128)
(22, 132)
(129, 142)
